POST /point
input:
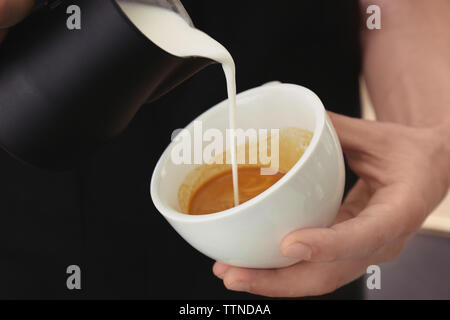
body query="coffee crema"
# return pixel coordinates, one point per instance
(217, 193)
(209, 187)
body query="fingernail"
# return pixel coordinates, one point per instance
(298, 250)
(239, 286)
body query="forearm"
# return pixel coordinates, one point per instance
(406, 64)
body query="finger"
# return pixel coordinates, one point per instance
(354, 203)
(361, 141)
(382, 221)
(300, 280)
(306, 278)
(356, 134)
(13, 11)
(220, 268)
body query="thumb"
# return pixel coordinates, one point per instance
(13, 11)
(373, 226)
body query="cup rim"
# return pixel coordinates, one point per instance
(320, 115)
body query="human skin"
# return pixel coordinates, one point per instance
(11, 12)
(402, 159)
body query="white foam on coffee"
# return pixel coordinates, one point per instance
(173, 34)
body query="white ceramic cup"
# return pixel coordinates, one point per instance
(308, 195)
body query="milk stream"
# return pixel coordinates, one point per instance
(173, 34)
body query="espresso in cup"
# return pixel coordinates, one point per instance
(209, 188)
(217, 194)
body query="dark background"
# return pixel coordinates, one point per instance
(100, 215)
